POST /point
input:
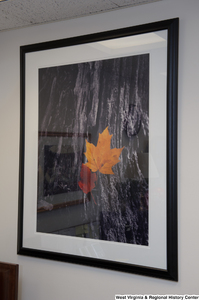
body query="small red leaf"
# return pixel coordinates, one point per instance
(88, 179)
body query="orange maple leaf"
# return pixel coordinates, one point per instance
(102, 157)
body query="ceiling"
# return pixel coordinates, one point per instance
(23, 13)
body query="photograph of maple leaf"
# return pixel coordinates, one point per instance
(93, 150)
(100, 159)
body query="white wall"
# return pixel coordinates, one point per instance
(49, 280)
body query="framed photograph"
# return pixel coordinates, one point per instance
(98, 157)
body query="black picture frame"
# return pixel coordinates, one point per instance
(170, 271)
